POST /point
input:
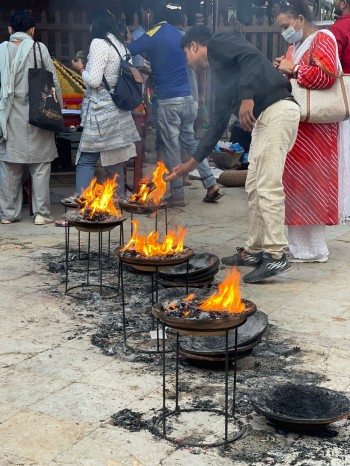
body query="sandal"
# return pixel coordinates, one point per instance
(61, 222)
(213, 197)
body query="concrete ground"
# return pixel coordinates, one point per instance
(58, 391)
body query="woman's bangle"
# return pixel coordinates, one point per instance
(295, 71)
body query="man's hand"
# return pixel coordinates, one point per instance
(277, 61)
(182, 169)
(286, 67)
(246, 117)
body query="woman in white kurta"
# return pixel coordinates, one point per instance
(108, 133)
(22, 144)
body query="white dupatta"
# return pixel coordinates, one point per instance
(343, 134)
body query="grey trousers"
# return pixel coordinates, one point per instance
(175, 120)
(11, 193)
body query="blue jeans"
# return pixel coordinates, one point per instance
(175, 119)
(85, 172)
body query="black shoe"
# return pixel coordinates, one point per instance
(267, 268)
(243, 257)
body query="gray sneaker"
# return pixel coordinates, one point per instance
(268, 267)
(243, 257)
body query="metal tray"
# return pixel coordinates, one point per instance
(332, 406)
(249, 332)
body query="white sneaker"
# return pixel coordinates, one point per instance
(40, 220)
(313, 260)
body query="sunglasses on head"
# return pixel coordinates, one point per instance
(286, 3)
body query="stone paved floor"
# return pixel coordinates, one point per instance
(57, 392)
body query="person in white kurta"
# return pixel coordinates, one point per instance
(21, 144)
(109, 132)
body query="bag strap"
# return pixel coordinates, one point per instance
(111, 43)
(35, 62)
(41, 56)
(104, 80)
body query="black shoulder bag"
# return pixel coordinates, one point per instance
(127, 93)
(44, 108)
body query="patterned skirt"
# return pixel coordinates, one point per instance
(105, 126)
(311, 176)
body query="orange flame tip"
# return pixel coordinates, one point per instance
(228, 296)
(99, 198)
(152, 192)
(149, 246)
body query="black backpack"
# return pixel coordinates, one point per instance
(127, 93)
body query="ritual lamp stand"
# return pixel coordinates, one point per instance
(228, 413)
(140, 209)
(153, 268)
(106, 291)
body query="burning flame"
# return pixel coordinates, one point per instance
(228, 296)
(189, 297)
(152, 191)
(149, 246)
(97, 198)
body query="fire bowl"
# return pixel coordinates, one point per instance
(203, 323)
(301, 406)
(130, 257)
(141, 209)
(92, 227)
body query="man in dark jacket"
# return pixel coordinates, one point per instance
(247, 84)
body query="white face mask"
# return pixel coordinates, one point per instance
(291, 35)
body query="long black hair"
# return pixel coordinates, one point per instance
(104, 22)
(295, 8)
(22, 21)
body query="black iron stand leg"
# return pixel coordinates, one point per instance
(88, 260)
(157, 278)
(121, 235)
(177, 372)
(152, 314)
(164, 406)
(79, 246)
(66, 235)
(131, 219)
(187, 272)
(226, 386)
(109, 246)
(121, 275)
(100, 258)
(235, 373)
(166, 220)
(152, 297)
(156, 220)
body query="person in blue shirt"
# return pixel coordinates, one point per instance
(176, 109)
